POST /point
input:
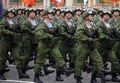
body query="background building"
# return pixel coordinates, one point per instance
(42, 3)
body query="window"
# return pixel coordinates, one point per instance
(77, 1)
(38, 1)
(98, 1)
(19, 1)
(14, 1)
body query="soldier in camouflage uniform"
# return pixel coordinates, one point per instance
(48, 43)
(8, 41)
(28, 30)
(106, 47)
(77, 17)
(57, 18)
(40, 16)
(85, 46)
(20, 15)
(115, 21)
(66, 30)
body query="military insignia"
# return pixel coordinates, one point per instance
(34, 24)
(49, 25)
(69, 24)
(108, 27)
(11, 23)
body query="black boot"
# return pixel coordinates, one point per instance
(114, 78)
(102, 76)
(87, 68)
(6, 70)
(93, 78)
(71, 65)
(68, 71)
(37, 79)
(2, 75)
(47, 71)
(78, 79)
(58, 76)
(40, 73)
(22, 74)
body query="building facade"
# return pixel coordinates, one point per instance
(74, 3)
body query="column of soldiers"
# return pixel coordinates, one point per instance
(85, 37)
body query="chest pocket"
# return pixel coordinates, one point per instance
(34, 24)
(11, 24)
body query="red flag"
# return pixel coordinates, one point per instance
(29, 3)
(32, 2)
(53, 0)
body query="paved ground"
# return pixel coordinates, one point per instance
(12, 77)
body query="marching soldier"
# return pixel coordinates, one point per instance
(48, 43)
(28, 30)
(115, 21)
(57, 17)
(77, 17)
(40, 15)
(105, 49)
(86, 35)
(8, 41)
(66, 30)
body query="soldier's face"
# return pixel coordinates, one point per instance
(68, 15)
(62, 14)
(106, 17)
(51, 16)
(10, 14)
(42, 13)
(20, 11)
(32, 14)
(116, 13)
(58, 12)
(78, 13)
(90, 17)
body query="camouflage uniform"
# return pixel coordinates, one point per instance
(87, 45)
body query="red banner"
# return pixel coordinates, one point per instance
(26, 2)
(29, 3)
(32, 2)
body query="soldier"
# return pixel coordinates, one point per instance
(66, 30)
(7, 42)
(98, 16)
(58, 17)
(77, 16)
(86, 46)
(20, 15)
(40, 15)
(28, 30)
(115, 21)
(48, 43)
(105, 49)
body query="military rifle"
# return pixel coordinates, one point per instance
(16, 28)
